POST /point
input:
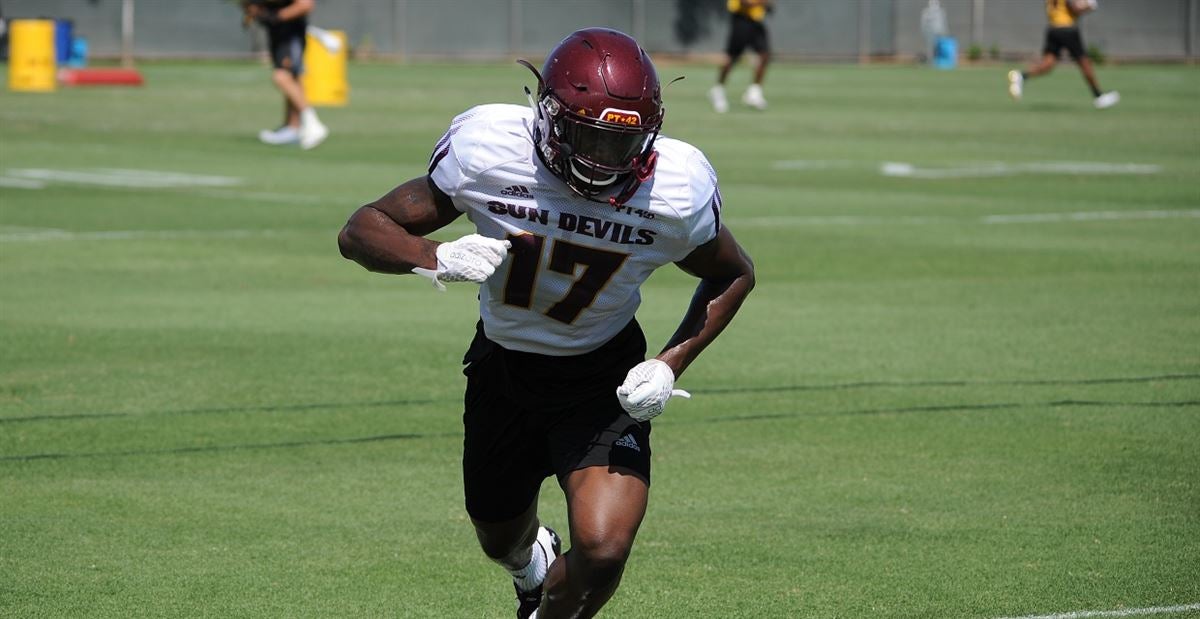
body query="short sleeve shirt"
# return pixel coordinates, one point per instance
(572, 278)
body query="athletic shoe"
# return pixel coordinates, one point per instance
(1016, 83)
(716, 95)
(283, 135)
(312, 133)
(1107, 100)
(754, 97)
(528, 601)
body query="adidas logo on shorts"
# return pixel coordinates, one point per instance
(628, 442)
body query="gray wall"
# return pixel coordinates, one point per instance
(809, 29)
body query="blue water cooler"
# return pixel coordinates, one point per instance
(945, 53)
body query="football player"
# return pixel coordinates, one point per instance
(575, 200)
(1063, 33)
(286, 22)
(747, 28)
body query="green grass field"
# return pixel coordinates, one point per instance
(970, 388)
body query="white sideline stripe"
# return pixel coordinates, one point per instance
(1128, 612)
(813, 164)
(769, 221)
(981, 170)
(115, 177)
(971, 170)
(1086, 216)
(34, 235)
(21, 183)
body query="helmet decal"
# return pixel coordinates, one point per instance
(621, 117)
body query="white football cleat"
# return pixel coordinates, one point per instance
(312, 131)
(1107, 100)
(1016, 84)
(754, 97)
(279, 137)
(312, 134)
(716, 96)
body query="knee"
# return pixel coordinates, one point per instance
(503, 546)
(282, 77)
(603, 555)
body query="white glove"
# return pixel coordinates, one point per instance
(473, 258)
(647, 388)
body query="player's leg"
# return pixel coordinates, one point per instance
(1051, 49)
(758, 42)
(1100, 98)
(1043, 66)
(760, 72)
(1016, 79)
(734, 46)
(283, 78)
(1089, 75)
(509, 542)
(287, 79)
(504, 464)
(293, 95)
(716, 94)
(605, 507)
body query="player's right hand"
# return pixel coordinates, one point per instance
(473, 258)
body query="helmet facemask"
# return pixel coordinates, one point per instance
(589, 154)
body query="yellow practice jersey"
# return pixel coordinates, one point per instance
(1058, 13)
(756, 10)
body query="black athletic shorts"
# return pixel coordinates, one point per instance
(530, 416)
(1058, 39)
(745, 32)
(287, 48)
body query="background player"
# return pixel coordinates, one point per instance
(747, 28)
(286, 22)
(1063, 33)
(575, 202)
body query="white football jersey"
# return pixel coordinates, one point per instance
(572, 278)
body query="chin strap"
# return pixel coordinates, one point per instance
(641, 174)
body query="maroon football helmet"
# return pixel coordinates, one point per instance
(597, 112)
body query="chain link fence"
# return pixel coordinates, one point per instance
(799, 29)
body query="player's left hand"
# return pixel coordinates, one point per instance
(647, 388)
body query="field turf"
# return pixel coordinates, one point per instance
(969, 387)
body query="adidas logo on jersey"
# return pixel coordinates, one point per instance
(517, 191)
(628, 442)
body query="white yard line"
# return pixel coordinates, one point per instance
(21, 183)
(771, 221)
(109, 177)
(981, 169)
(815, 164)
(1036, 218)
(206, 185)
(984, 170)
(1126, 612)
(34, 235)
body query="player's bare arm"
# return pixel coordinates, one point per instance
(726, 278)
(387, 235)
(257, 11)
(1079, 8)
